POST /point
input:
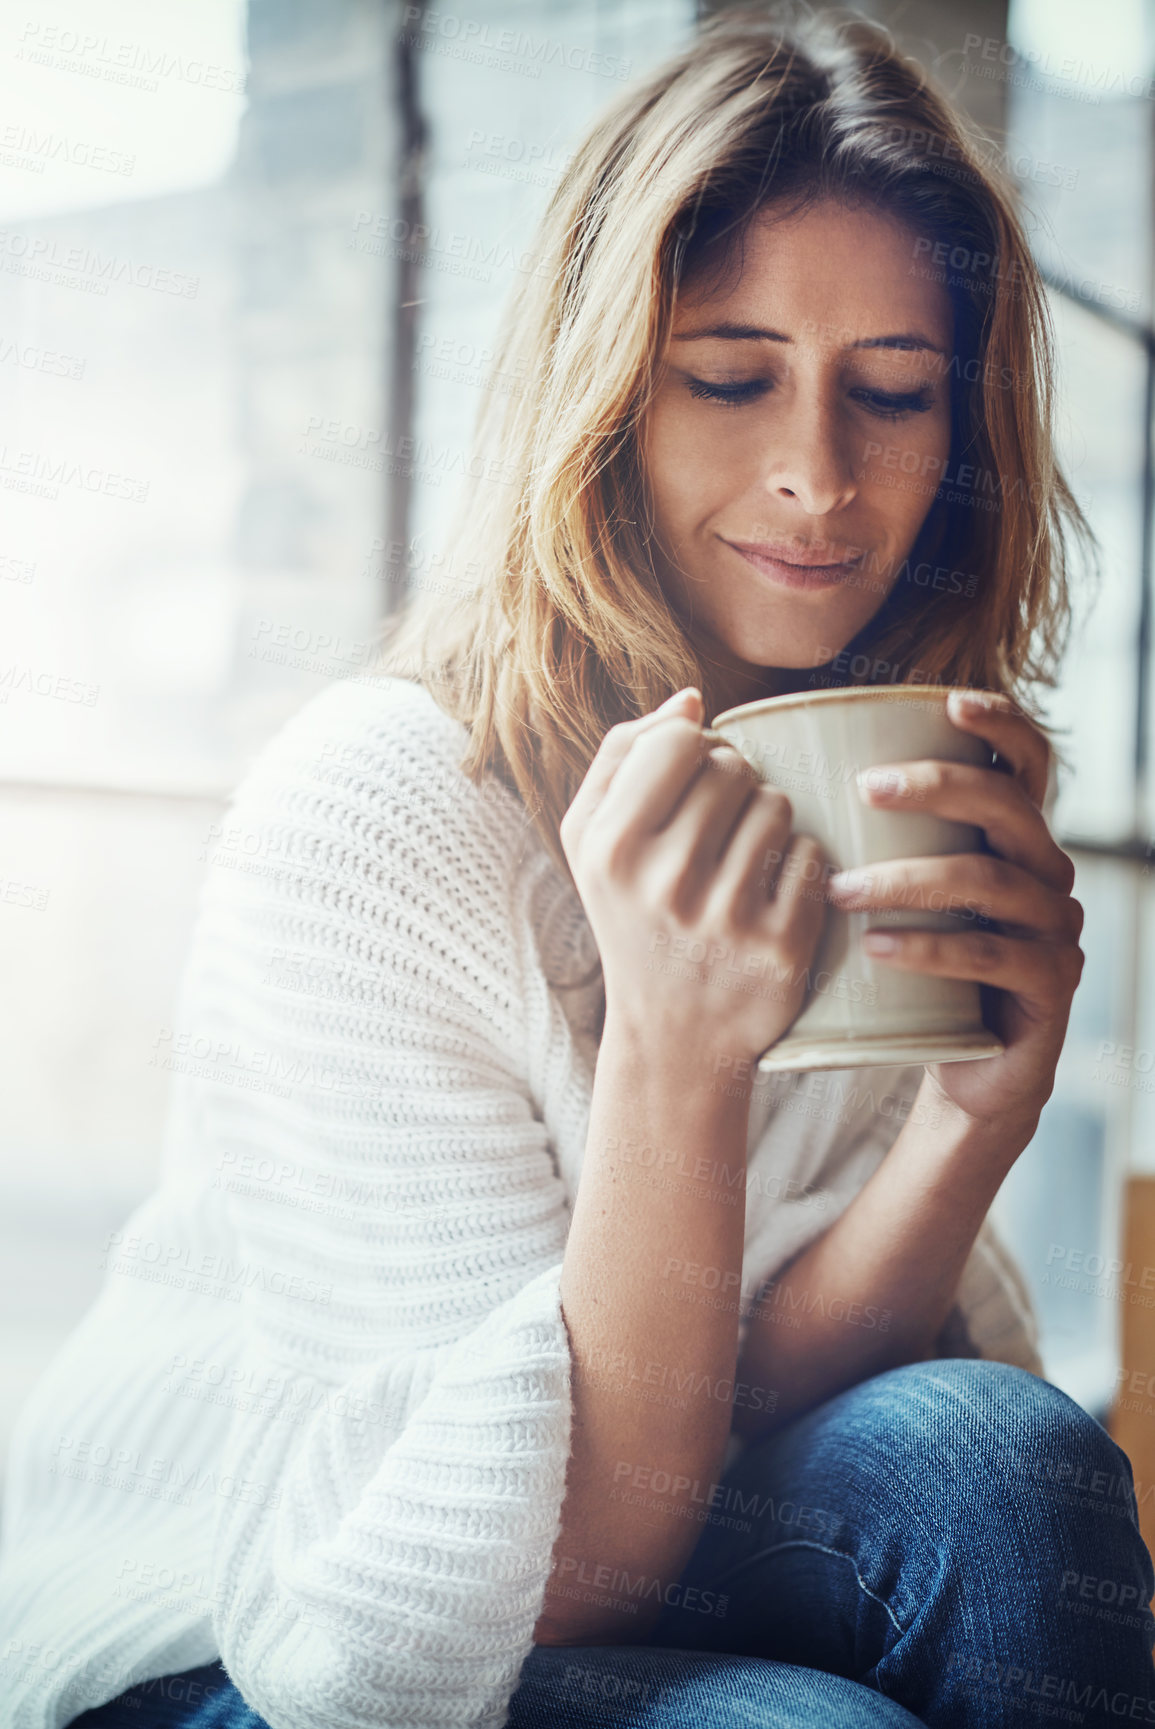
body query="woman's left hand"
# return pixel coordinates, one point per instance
(1030, 962)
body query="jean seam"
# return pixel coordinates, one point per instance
(717, 1579)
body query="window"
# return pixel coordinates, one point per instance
(1079, 141)
(210, 482)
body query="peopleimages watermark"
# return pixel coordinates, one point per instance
(14, 893)
(1098, 1275)
(46, 258)
(709, 1178)
(777, 1303)
(455, 251)
(616, 1588)
(1072, 1483)
(272, 1396)
(459, 362)
(311, 650)
(138, 1472)
(328, 439)
(668, 1383)
(119, 61)
(30, 357)
(531, 162)
(1009, 1677)
(1113, 1600)
(716, 963)
(218, 1275)
(611, 1688)
(1135, 1392)
(24, 147)
(55, 686)
(928, 474)
(222, 1059)
(16, 569)
(29, 1660)
(845, 1099)
(1125, 1066)
(390, 560)
(34, 472)
(712, 1503)
(504, 48)
(966, 267)
(998, 58)
(872, 669)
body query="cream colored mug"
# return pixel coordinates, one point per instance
(859, 1011)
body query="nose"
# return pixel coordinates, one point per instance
(808, 460)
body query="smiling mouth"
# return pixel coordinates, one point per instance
(794, 568)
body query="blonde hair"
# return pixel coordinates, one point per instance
(567, 630)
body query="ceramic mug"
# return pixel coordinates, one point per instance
(859, 1011)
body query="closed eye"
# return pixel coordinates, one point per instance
(883, 404)
(894, 405)
(732, 394)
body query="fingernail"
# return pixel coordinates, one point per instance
(680, 696)
(882, 783)
(878, 943)
(850, 882)
(974, 700)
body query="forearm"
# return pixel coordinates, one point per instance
(874, 1291)
(651, 1375)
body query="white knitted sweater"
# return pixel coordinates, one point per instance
(318, 1420)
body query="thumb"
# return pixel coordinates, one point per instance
(685, 700)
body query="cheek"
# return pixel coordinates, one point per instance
(902, 468)
(682, 464)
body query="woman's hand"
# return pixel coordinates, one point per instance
(1030, 962)
(705, 909)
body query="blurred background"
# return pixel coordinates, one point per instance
(252, 254)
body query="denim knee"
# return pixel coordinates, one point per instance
(1004, 1434)
(665, 1688)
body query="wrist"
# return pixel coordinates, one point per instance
(1004, 1136)
(681, 1061)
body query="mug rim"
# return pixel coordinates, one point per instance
(844, 693)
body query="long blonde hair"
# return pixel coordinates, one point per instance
(568, 631)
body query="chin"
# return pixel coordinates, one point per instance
(798, 654)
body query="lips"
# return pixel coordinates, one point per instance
(796, 567)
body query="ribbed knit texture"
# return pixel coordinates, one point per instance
(318, 1420)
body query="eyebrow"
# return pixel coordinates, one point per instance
(909, 339)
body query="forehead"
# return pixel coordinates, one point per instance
(831, 275)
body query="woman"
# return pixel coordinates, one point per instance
(474, 1442)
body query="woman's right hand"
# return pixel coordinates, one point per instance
(705, 907)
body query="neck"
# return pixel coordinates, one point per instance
(734, 682)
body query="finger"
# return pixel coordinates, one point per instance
(793, 918)
(750, 865)
(970, 885)
(799, 902)
(1042, 975)
(656, 772)
(617, 742)
(1015, 828)
(1016, 739)
(709, 810)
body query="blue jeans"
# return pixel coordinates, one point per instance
(952, 1543)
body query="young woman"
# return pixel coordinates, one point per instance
(494, 1350)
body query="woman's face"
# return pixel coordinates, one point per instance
(785, 404)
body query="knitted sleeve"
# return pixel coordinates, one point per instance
(406, 1438)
